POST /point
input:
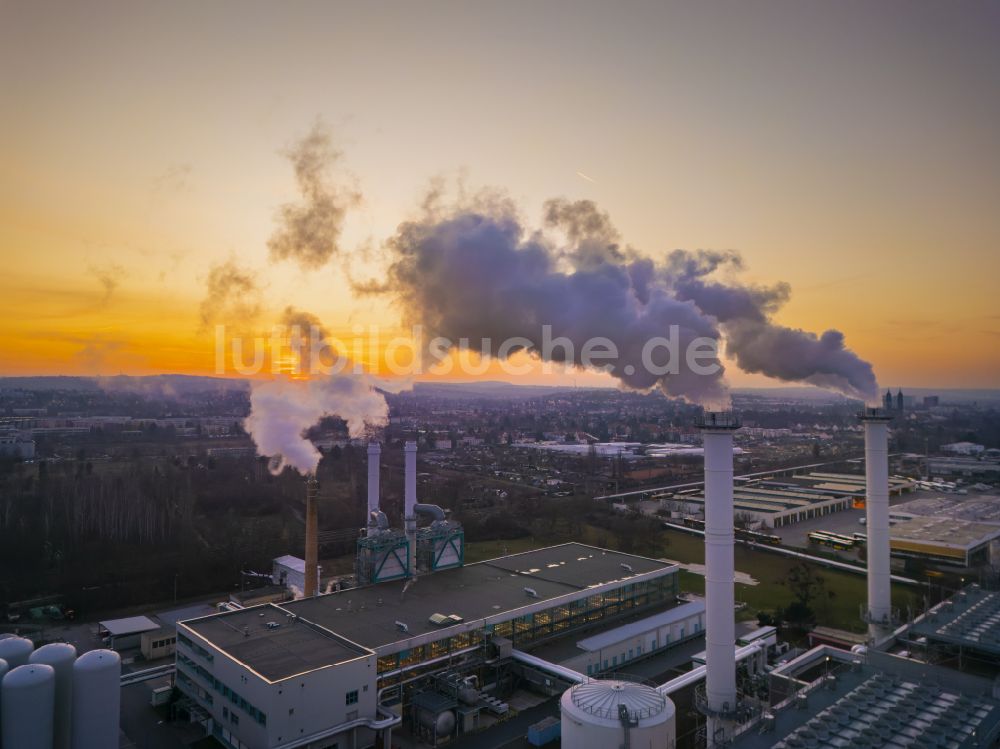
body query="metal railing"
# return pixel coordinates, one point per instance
(719, 420)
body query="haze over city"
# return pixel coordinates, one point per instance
(481, 375)
(848, 151)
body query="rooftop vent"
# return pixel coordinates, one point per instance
(531, 592)
(401, 626)
(272, 625)
(627, 567)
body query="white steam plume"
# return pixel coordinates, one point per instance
(281, 410)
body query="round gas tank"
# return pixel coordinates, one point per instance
(442, 723)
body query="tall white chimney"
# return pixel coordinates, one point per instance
(720, 616)
(879, 616)
(374, 458)
(409, 500)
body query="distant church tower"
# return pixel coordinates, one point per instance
(887, 400)
(899, 400)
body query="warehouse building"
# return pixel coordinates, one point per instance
(777, 502)
(943, 540)
(321, 671)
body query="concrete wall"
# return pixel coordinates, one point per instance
(158, 644)
(296, 707)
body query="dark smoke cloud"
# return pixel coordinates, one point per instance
(231, 293)
(473, 271)
(594, 241)
(309, 230)
(759, 345)
(475, 274)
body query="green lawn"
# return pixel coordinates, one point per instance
(841, 610)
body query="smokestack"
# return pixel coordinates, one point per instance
(312, 540)
(879, 613)
(410, 500)
(720, 618)
(374, 457)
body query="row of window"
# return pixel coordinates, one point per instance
(259, 715)
(163, 643)
(531, 627)
(198, 649)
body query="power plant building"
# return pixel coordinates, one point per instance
(311, 669)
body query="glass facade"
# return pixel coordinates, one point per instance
(542, 625)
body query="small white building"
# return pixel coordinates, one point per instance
(614, 648)
(123, 634)
(290, 572)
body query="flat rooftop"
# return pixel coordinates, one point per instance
(941, 531)
(970, 619)
(982, 508)
(293, 647)
(368, 615)
(888, 702)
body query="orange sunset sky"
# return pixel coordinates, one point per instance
(851, 149)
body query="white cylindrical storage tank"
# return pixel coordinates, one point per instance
(16, 651)
(60, 656)
(96, 700)
(596, 715)
(28, 705)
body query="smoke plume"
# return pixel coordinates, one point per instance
(281, 411)
(473, 271)
(309, 231)
(230, 291)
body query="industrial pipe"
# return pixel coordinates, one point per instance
(312, 540)
(374, 459)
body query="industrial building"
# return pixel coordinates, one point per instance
(245, 670)
(420, 630)
(776, 502)
(124, 634)
(963, 466)
(978, 508)
(431, 642)
(830, 698)
(943, 540)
